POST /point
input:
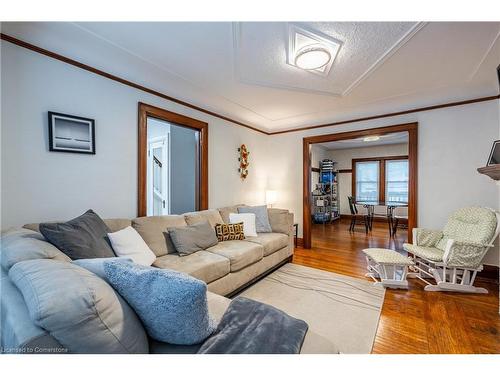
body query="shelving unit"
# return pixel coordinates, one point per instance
(325, 201)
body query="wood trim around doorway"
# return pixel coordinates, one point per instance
(145, 111)
(411, 128)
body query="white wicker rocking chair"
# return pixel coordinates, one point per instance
(454, 256)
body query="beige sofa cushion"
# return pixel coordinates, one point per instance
(115, 225)
(240, 253)
(270, 241)
(225, 211)
(23, 244)
(78, 308)
(217, 305)
(212, 216)
(152, 228)
(280, 220)
(202, 265)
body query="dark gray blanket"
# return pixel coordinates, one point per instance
(251, 327)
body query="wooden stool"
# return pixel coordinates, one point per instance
(389, 266)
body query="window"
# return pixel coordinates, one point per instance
(381, 179)
(396, 180)
(367, 181)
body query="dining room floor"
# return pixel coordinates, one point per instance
(412, 321)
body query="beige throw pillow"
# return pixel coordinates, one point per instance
(128, 243)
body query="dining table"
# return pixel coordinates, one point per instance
(391, 206)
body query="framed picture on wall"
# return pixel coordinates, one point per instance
(71, 133)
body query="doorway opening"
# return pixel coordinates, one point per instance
(366, 180)
(173, 163)
(158, 170)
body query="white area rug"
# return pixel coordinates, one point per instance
(342, 309)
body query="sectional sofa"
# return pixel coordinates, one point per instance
(226, 267)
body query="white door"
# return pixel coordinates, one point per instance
(158, 176)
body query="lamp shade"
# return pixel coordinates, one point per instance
(271, 196)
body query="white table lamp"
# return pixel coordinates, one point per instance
(271, 197)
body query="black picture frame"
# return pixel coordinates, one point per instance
(68, 133)
(495, 150)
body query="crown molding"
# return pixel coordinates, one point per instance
(123, 81)
(392, 114)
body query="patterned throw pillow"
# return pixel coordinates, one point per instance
(226, 232)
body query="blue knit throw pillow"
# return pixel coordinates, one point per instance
(172, 305)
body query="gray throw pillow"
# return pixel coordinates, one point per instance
(262, 224)
(192, 238)
(81, 238)
(172, 305)
(79, 309)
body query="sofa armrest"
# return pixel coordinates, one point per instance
(464, 254)
(426, 237)
(281, 221)
(19, 333)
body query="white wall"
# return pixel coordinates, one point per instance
(41, 185)
(344, 158)
(453, 143)
(157, 128)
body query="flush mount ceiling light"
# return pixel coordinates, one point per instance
(371, 138)
(311, 50)
(312, 57)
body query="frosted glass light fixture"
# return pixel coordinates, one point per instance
(312, 57)
(310, 50)
(271, 197)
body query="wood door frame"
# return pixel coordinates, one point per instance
(411, 128)
(145, 111)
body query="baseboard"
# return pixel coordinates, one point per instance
(299, 242)
(489, 273)
(378, 219)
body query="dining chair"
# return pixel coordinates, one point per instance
(398, 217)
(373, 215)
(357, 218)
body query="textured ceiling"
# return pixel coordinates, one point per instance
(239, 69)
(261, 59)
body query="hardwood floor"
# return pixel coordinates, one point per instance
(412, 321)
